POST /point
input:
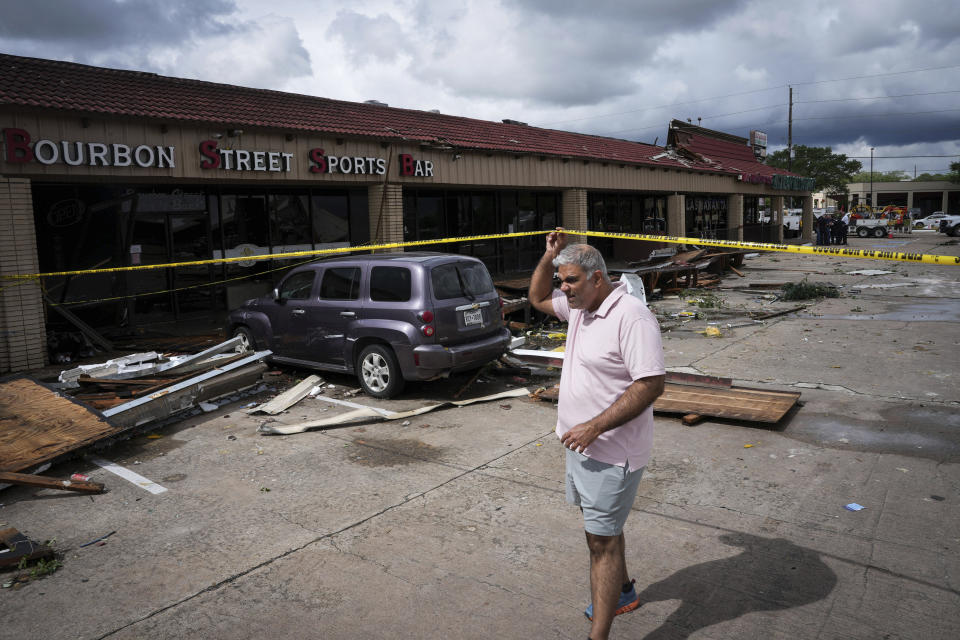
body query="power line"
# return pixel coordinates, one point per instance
(743, 93)
(877, 75)
(776, 122)
(903, 95)
(954, 155)
(663, 106)
(877, 115)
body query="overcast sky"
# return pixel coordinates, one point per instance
(880, 73)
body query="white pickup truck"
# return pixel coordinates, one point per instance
(950, 225)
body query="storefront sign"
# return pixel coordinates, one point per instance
(358, 165)
(241, 159)
(412, 167)
(787, 183)
(20, 148)
(793, 183)
(93, 154)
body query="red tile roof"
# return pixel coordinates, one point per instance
(722, 153)
(66, 86)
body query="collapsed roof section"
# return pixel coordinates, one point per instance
(719, 150)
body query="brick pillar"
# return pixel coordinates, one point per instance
(777, 209)
(574, 212)
(22, 321)
(735, 216)
(676, 215)
(385, 204)
(806, 219)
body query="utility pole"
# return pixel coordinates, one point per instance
(790, 134)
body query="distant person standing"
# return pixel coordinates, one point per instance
(844, 228)
(823, 230)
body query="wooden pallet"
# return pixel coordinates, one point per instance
(716, 400)
(753, 405)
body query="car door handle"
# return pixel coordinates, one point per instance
(298, 312)
(348, 314)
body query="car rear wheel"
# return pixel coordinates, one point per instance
(379, 372)
(247, 343)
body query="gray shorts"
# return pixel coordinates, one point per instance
(604, 492)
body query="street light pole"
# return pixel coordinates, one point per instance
(871, 178)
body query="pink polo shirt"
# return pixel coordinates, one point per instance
(606, 352)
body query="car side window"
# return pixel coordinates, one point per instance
(340, 283)
(297, 286)
(390, 284)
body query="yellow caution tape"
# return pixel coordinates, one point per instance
(730, 244)
(784, 248)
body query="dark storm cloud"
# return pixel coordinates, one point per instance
(111, 23)
(659, 17)
(205, 39)
(898, 26)
(539, 52)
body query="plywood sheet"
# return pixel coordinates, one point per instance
(38, 425)
(754, 405)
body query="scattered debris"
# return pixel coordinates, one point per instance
(30, 480)
(853, 506)
(775, 314)
(21, 549)
(100, 539)
(289, 397)
(739, 403)
(186, 393)
(805, 290)
(711, 396)
(38, 425)
(869, 272)
(373, 412)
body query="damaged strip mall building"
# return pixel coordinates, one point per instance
(104, 168)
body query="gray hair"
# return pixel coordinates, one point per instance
(584, 256)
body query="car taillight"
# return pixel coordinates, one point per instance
(426, 316)
(427, 330)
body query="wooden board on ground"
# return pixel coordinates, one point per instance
(738, 403)
(38, 425)
(695, 403)
(30, 480)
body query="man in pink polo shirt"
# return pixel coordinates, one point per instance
(612, 372)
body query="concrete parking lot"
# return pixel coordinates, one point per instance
(453, 524)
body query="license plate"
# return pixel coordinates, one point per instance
(473, 316)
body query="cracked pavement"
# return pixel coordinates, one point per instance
(455, 525)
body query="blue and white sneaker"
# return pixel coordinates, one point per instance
(628, 602)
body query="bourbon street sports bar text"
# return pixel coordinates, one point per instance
(19, 148)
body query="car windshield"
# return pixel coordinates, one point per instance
(460, 280)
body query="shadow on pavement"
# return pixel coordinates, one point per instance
(769, 574)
